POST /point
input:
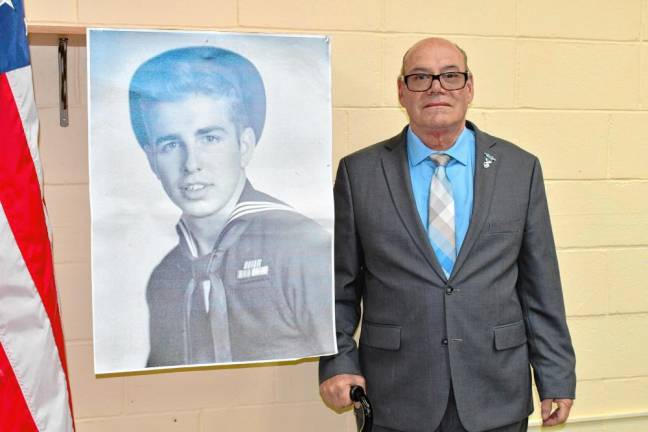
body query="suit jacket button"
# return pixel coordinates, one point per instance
(444, 341)
(449, 290)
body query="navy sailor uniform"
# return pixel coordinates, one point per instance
(267, 290)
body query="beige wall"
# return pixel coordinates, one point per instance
(566, 80)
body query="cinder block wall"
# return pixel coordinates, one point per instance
(566, 80)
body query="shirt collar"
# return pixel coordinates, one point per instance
(417, 152)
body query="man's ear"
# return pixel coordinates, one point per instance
(247, 144)
(400, 84)
(151, 156)
(471, 87)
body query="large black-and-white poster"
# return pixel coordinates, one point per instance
(211, 201)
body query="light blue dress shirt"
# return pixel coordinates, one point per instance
(460, 171)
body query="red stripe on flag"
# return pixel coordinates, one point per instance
(20, 196)
(14, 412)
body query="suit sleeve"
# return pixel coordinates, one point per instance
(550, 347)
(349, 282)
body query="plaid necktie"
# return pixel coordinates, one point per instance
(441, 214)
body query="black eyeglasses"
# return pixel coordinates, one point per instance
(364, 413)
(421, 81)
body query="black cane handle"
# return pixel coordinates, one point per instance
(364, 413)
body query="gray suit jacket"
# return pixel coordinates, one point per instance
(479, 331)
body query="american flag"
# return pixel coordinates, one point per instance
(34, 390)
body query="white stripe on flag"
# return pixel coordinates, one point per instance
(24, 324)
(20, 81)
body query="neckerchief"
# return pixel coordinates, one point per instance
(207, 332)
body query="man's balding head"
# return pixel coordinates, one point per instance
(430, 42)
(438, 110)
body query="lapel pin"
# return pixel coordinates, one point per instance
(488, 160)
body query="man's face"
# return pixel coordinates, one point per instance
(435, 109)
(197, 153)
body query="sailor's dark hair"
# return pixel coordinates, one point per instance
(202, 70)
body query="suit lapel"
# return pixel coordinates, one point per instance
(484, 184)
(396, 170)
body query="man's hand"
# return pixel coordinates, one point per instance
(335, 390)
(561, 413)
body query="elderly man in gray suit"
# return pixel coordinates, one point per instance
(442, 234)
